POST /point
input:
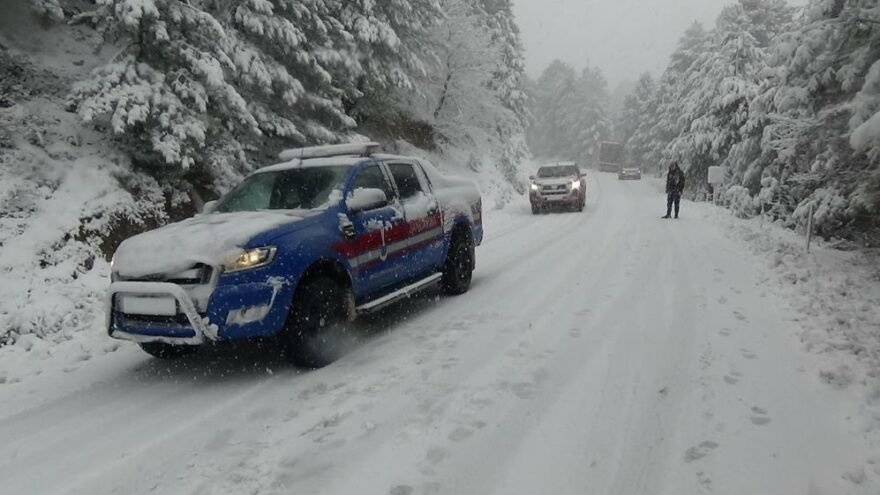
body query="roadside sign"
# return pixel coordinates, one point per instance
(717, 175)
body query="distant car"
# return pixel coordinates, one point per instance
(629, 173)
(558, 185)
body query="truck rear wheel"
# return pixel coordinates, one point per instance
(162, 350)
(317, 328)
(459, 266)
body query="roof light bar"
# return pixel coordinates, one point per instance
(361, 149)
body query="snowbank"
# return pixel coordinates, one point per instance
(60, 188)
(835, 293)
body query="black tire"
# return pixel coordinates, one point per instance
(535, 210)
(162, 350)
(458, 268)
(317, 328)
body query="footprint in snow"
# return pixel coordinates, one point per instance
(261, 414)
(722, 300)
(700, 451)
(459, 434)
(524, 390)
(219, 441)
(759, 417)
(739, 316)
(401, 490)
(704, 480)
(435, 456)
(481, 402)
(746, 353)
(732, 378)
(725, 332)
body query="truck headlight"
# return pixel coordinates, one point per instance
(534, 187)
(576, 185)
(250, 258)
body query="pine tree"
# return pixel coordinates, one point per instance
(722, 82)
(665, 119)
(508, 80)
(817, 107)
(637, 106)
(207, 86)
(790, 105)
(570, 117)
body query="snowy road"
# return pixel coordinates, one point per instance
(605, 352)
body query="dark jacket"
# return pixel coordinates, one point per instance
(675, 182)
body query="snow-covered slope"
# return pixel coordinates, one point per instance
(59, 182)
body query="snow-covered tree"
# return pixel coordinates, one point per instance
(508, 80)
(790, 105)
(807, 146)
(471, 93)
(204, 86)
(48, 9)
(722, 81)
(665, 120)
(570, 116)
(456, 91)
(637, 106)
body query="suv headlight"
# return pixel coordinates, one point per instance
(250, 258)
(576, 184)
(534, 187)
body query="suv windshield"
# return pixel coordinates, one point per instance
(558, 171)
(291, 189)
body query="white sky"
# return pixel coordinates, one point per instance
(623, 37)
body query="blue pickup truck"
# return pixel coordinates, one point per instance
(297, 250)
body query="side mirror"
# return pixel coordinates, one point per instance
(531, 177)
(366, 199)
(209, 206)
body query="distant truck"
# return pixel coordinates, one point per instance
(610, 156)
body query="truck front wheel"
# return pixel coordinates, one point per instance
(317, 328)
(459, 266)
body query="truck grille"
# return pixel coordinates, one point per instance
(197, 275)
(560, 189)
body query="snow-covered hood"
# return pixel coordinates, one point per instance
(554, 181)
(209, 239)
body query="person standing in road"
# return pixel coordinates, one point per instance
(674, 188)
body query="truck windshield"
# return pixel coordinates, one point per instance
(291, 189)
(561, 171)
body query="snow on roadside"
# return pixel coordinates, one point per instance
(836, 295)
(59, 192)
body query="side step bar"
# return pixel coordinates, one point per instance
(399, 294)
